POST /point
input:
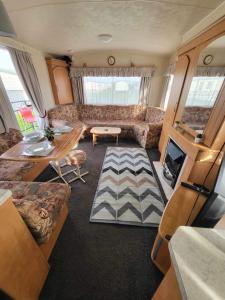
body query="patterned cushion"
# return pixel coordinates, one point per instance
(67, 112)
(112, 112)
(39, 205)
(154, 114)
(13, 170)
(76, 157)
(8, 140)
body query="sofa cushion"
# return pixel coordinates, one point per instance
(112, 112)
(9, 139)
(39, 204)
(13, 170)
(154, 114)
(126, 124)
(67, 112)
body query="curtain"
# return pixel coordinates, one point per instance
(78, 90)
(210, 72)
(28, 76)
(112, 72)
(146, 73)
(144, 92)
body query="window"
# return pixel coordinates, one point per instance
(204, 91)
(111, 90)
(17, 96)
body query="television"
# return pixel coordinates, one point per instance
(6, 28)
(214, 208)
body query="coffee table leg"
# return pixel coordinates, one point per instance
(94, 138)
(117, 139)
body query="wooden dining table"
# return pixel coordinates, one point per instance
(62, 143)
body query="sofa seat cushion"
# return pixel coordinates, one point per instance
(39, 204)
(123, 124)
(13, 170)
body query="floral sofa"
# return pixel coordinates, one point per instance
(39, 205)
(136, 121)
(11, 170)
(196, 116)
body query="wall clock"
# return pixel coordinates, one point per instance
(111, 60)
(207, 59)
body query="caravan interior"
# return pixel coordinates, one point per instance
(112, 141)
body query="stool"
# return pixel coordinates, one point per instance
(76, 158)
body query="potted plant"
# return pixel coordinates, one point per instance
(49, 134)
(176, 124)
(198, 138)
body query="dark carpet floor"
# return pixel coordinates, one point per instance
(99, 261)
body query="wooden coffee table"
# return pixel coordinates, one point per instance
(104, 131)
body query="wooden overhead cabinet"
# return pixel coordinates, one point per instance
(60, 81)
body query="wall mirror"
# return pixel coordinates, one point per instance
(206, 86)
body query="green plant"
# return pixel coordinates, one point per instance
(49, 134)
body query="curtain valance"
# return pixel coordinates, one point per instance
(112, 71)
(210, 71)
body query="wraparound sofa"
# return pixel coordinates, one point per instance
(136, 121)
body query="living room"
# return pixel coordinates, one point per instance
(112, 146)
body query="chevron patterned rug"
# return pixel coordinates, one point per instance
(127, 191)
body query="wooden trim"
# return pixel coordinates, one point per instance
(48, 247)
(35, 171)
(216, 118)
(206, 37)
(169, 287)
(23, 266)
(160, 254)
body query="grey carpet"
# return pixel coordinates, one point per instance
(94, 261)
(127, 192)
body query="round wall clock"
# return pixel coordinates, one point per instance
(207, 59)
(111, 60)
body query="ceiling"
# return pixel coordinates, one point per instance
(56, 26)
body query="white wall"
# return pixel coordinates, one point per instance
(124, 58)
(40, 67)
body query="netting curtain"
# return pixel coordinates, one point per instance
(146, 73)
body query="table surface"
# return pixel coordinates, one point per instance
(106, 130)
(198, 257)
(63, 144)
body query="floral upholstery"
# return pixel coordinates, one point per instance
(67, 112)
(12, 170)
(196, 116)
(112, 112)
(39, 204)
(76, 157)
(136, 121)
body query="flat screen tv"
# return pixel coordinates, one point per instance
(214, 207)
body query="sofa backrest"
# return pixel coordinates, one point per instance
(112, 112)
(154, 114)
(196, 115)
(9, 139)
(66, 112)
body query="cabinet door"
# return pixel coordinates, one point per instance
(63, 85)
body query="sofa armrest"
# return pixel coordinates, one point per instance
(15, 136)
(153, 134)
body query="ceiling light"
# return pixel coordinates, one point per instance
(105, 38)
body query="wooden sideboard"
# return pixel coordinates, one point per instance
(60, 81)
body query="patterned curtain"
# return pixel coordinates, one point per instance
(78, 90)
(145, 89)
